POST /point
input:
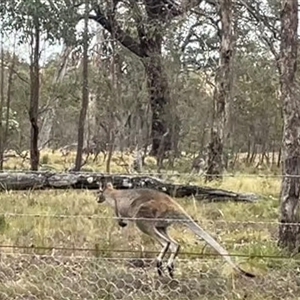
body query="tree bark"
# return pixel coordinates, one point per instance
(289, 235)
(81, 180)
(85, 95)
(159, 100)
(162, 131)
(34, 97)
(2, 105)
(222, 94)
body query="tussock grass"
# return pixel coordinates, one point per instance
(86, 229)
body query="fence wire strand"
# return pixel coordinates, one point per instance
(97, 217)
(203, 255)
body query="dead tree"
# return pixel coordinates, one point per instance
(289, 234)
(87, 180)
(222, 93)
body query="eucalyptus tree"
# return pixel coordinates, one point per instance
(289, 230)
(143, 33)
(35, 20)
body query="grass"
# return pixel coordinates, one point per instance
(70, 255)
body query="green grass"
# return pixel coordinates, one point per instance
(84, 237)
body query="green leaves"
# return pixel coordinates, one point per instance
(56, 20)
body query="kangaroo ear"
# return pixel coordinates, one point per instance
(109, 186)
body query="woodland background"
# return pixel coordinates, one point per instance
(180, 88)
(118, 108)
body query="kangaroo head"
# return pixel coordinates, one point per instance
(102, 192)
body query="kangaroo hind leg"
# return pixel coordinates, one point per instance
(151, 230)
(174, 249)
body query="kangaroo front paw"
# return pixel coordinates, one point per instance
(159, 267)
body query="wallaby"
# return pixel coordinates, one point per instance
(143, 204)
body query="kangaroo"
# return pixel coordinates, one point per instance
(153, 212)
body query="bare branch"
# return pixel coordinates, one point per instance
(126, 40)
(138, 19)
(189, 36)
(185, 7)
(256, 14)
(16, 73)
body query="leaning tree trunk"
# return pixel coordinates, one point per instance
(289, 234)
(222, 94)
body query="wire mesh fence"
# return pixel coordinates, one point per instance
(63, 245)
(57, 277)
(89, 257)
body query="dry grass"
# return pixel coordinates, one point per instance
(83, 224)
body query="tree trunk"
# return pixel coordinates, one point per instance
(279, 158)
(2, 105)
(248, 151)
(85, 94)
(254, 152)
(48, 119)
(160, 101)
(149, 50)
(222, 94)
(8, 98)
(111, 147)
(289, 234)
(34, 97)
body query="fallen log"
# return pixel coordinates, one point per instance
(86, 180)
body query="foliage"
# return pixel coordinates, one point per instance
(57, 21)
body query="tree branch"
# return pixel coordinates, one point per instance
(269, 23)
(185, 7)
(138, 19)
(125, 39)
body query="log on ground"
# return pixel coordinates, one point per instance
(86, 180)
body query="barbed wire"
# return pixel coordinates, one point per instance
(89, 216)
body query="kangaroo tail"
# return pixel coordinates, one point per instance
(213, 243)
